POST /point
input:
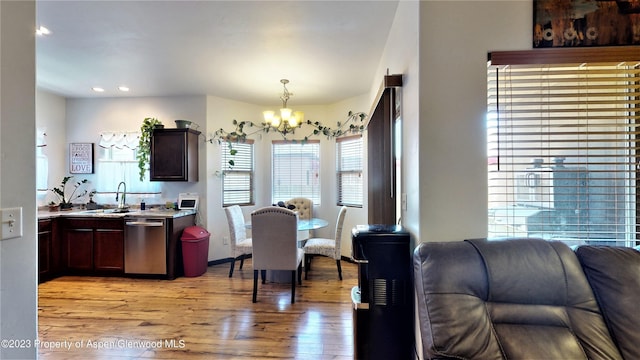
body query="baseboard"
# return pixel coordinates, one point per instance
(222, 261)
(229, 259)
(219, 261)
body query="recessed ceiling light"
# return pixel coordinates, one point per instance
(42, 31)
(97, 89)
(123, 88)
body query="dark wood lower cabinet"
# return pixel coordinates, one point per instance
(44, 248)
(46, 239)
(48, 249)
(79, 249)
(94, 246)
(108, 250)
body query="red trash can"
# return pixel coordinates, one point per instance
(195, 250)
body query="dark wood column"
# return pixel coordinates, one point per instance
(381, 158)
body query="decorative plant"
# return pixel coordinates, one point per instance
(92, 193)
(65, 202)
(355, 123)
(144, 145)
(53, 206)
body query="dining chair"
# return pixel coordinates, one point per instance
(241, 246)
(326, 247)
(275, 245)
(304, 207)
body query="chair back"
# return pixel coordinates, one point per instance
(304, 207)
(338, 234)
(237, 230)
(274, 232)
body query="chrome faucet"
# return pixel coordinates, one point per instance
(123, 201)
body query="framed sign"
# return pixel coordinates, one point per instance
(81, 158)
(571, 23)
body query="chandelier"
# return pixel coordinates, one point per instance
(287, 120)
(285, 123)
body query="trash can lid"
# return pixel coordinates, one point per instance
(194, 233)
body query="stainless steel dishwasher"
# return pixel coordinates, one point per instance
(145, 246)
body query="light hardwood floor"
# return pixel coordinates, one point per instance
(206, 317)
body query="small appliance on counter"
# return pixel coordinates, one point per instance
(188, 201)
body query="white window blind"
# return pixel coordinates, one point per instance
(349, 170)
(296, 170)
(237, 183)
(562, 148)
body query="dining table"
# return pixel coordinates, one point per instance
(305, 226)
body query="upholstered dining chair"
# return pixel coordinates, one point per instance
(326, 247)
(274, 232)
(241, 246)
(304, 207)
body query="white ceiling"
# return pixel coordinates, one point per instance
(329, 50)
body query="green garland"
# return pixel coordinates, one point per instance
(355, 123)
(144, 144)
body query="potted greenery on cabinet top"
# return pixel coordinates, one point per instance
(144, 145)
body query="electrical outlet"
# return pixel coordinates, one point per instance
(225, 240)
(11, 223)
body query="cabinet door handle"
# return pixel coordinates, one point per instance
(144, 223)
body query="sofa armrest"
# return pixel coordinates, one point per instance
(614, 276)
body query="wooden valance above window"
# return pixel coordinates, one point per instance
(565, 56)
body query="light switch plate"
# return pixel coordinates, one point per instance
(11, 223)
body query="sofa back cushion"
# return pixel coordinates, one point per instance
(509, 299)
(614, 275)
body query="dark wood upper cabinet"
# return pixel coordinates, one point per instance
(174, 155)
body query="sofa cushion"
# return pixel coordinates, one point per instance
(614, 275)
(510, 299)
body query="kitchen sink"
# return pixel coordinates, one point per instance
(102, 211)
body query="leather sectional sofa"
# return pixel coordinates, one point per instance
(527, 299)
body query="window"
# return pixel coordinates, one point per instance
(117, 162)
(42, 166)
(562, 148)
(237, 183)
(349, 170)
(296, 170)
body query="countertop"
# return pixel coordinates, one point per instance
(110, 213)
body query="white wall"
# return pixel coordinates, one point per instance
(455, 37)
(87, 118)
(441, 48)
(354, 216)
(18, 264)
(445, 162)
(401, 57)
(221, 113)
(51, 115)
(82, 120)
